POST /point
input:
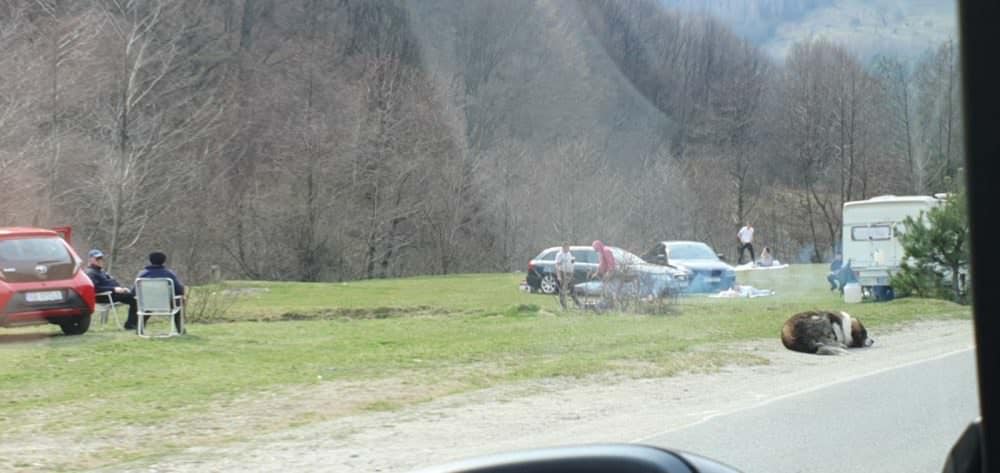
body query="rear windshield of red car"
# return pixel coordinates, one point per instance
(45, 250)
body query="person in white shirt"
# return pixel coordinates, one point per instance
(564, 273)
(745, 237)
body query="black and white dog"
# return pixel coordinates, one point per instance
(824, 333)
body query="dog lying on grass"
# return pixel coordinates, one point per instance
(824, 333)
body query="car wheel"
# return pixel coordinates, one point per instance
(548, 285)
(76, 325)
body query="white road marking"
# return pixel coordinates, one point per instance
(799, 393)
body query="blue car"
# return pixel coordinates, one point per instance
(708, 272)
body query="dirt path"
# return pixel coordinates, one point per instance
(554, 412)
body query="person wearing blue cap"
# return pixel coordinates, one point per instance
(103, 282)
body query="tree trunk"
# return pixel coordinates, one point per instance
(812, 230)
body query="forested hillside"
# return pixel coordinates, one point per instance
(343, 139)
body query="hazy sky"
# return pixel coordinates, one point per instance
(905, 27)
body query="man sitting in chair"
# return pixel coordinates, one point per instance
(103, 282)
(156, 269)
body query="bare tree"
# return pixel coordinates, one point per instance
(828, 137)
(507, 177)
(896, 81)
(18, 178)
(939, 115)
(808, 123)
(319, 140)
(148, 118)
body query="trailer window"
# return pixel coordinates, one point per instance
(872, 232)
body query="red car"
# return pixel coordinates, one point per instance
(42, 281)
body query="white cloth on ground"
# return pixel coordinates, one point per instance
(748, 292)
(753, 267)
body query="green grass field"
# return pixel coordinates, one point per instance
(797, 288)
(435, 335)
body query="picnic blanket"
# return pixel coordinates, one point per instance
(748, 292)
(753, 266)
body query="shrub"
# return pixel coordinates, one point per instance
(936, 252)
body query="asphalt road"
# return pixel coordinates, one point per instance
(926, 405)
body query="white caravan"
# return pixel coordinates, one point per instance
(870, 237)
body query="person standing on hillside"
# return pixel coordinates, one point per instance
(745, 237)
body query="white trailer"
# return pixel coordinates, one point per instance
(870, 238)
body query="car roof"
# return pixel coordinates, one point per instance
(685, 242)
(618, 248)
(571, 248)
(25, 231)
(582, 248)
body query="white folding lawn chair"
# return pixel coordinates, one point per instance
(103, 308)
(155, 297)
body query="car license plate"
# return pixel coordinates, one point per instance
(43, 296)
(712, 279)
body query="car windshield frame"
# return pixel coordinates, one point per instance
(361, 185)
(977, 24)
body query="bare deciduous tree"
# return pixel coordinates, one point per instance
(939, 116)
(147, 119)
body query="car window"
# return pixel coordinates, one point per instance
(691, 251)
(585, 256)
(548, 255)
(34, 250)
(658, 249)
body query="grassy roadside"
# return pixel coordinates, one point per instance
(432, 335)
(473, 293)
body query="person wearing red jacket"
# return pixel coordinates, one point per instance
(606, 270)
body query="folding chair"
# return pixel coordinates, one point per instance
(102, 308)
(155, 297)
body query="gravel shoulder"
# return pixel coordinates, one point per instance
(554, 411)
